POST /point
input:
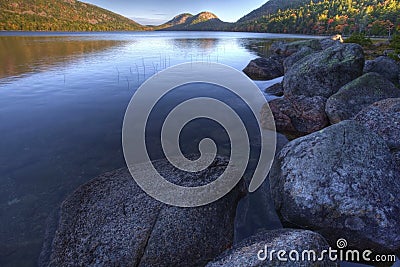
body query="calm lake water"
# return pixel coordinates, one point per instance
(62, 101)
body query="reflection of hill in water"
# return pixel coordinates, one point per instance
(24, 54)
(206, 44)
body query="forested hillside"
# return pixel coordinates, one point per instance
(324, 17)
(273, 6)
(60, 15)
(372, 17)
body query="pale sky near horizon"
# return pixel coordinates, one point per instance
(160, 11)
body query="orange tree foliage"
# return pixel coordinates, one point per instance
(372, 17)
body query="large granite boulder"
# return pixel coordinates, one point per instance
(383, 118)
(343, 183)
(305, 48)
(110, 221)
(385, 66)
(323, 73)
(265, 68)
(358, 94)
(297, 116)
(252, 251)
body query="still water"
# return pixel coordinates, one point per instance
(62, 101)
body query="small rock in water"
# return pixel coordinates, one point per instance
(13, 201)
(265, 68)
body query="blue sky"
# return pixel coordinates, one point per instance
(160, 11)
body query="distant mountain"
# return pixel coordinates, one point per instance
(61, 15)
(271, 7)
(204, 21)
(177, 20)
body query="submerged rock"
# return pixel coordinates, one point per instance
(323, 73)
(265, 68)
(383, 118)
(256, 211)
(385, 66)
(252, 251)
(341, 182)
(275, 89)
(297, 116)
(358, 94)
(110, 221)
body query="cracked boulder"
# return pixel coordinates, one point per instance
(110, 221)
(343, 183)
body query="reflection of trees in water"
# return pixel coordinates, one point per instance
(22, 54)
(261, 47)
(206, 44)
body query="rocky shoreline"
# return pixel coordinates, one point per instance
(338, 177)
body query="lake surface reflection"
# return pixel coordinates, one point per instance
(62, 101)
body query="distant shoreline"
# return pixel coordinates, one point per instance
(378, 38)
(158, 31)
